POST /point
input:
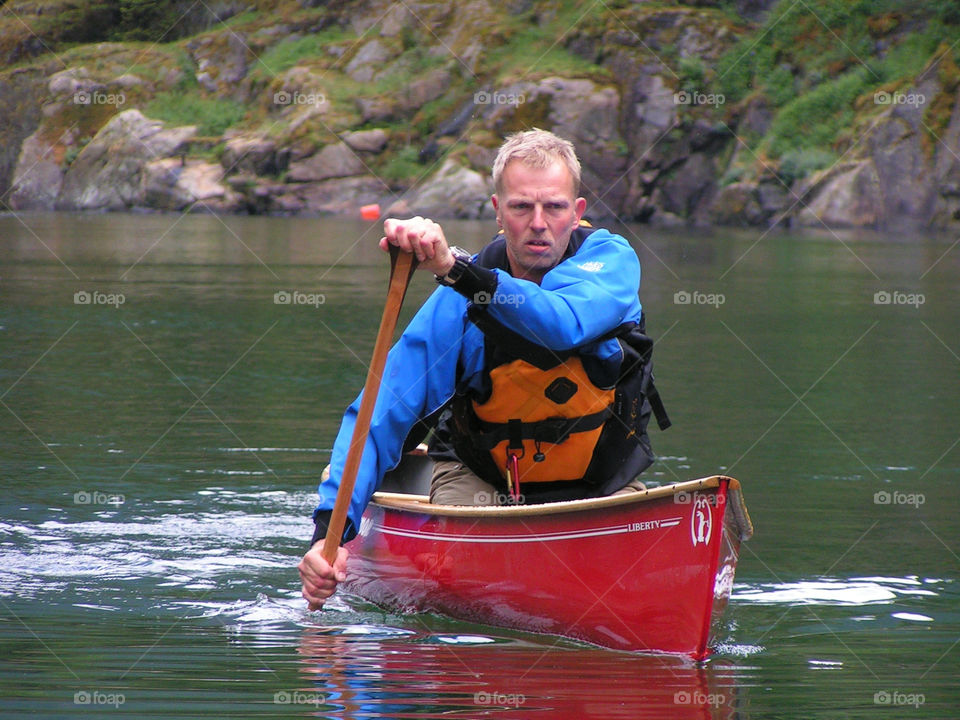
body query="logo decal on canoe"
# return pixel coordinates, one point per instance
(533, 537)
(701, 520)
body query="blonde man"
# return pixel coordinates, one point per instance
(521, 360)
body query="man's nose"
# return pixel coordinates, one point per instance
(539, 219)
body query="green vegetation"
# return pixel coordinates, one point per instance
(819, 64)
(152, 63)
(122, 20)
(403, 165)
(298, 50)
(796, 164)
(693, 73)
(90, 22)
(535, 48)
(146, 19)
(412, 64)
(433, 113)
(813, 119)
(212, 116)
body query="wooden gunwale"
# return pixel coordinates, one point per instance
(422, 504)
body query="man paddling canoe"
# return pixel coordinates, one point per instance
(528, 362)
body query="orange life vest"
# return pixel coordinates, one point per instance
(549, 419)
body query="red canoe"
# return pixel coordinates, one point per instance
(648, 572)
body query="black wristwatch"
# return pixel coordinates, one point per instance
(461, 261)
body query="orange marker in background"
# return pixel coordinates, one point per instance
(370, 212)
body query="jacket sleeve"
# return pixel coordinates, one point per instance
(584, 297)
(419, 378)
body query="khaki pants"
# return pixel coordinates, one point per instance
(455, 484)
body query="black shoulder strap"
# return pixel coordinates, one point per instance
(656, 404)
(633, 336)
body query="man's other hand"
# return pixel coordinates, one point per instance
(318, 577)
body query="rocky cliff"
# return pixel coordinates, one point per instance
(743, 112)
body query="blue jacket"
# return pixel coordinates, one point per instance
(584, 297)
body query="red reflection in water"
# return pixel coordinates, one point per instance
(423, 676)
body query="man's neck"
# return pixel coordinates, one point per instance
(527, 275)
(534, 275)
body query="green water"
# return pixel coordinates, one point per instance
(161, 445)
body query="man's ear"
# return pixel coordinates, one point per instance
(496, 209)
(580, 206)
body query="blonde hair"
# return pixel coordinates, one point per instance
(537, 149)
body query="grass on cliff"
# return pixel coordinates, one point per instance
(402, 165)
(211, 115)
(534, 46)
(814, 119)
(296, 50)
(818, 65)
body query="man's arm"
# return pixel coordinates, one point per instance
(419, 378)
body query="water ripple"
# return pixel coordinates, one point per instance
(836, 591)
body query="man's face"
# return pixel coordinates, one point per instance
(537, 212)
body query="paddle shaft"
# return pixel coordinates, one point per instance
(402, 265)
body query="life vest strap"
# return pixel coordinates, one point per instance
(553, 431)
(656, 405)
(515, 434)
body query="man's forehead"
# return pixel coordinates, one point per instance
(542, 196)
(553, 181)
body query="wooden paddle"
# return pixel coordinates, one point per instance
(402, 265)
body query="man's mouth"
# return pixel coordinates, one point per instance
(538, 243)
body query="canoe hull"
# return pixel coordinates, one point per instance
(646, 574)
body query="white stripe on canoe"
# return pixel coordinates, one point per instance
(546, 537)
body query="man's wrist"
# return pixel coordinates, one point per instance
(448, 265)
(460, 260)
(321, 520)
